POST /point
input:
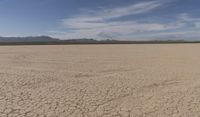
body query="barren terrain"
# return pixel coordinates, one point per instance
(148, 80)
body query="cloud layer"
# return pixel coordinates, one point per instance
(105, 23)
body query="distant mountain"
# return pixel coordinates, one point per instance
(28, 39)
(81, 40)
(46, 40)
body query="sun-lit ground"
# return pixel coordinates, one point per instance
(158, 80)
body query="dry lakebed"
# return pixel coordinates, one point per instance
(144, 80)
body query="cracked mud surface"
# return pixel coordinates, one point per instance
(100, 81)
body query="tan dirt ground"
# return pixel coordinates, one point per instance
(149, 80)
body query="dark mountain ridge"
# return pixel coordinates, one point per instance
(46, 40)
(28, 39)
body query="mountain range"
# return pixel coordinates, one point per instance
(28, 39)
(46, 40)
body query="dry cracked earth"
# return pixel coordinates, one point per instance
(161, 80)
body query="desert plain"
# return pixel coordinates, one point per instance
(145, 80)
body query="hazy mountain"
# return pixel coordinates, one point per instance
(45, 40)
(28, 39)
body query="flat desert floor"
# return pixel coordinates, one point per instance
(147, 80)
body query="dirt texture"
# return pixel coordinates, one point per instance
(147, 80)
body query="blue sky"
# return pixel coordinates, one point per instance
(101, 19)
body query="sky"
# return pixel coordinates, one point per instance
(102, 19)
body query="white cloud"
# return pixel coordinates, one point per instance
(99, 24)
(188, 18)
(195, 21)
(197, 25)
(117, 29)
(98, 18)
(180, 35)
(130, 10)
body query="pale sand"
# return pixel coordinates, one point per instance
(161, 80)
